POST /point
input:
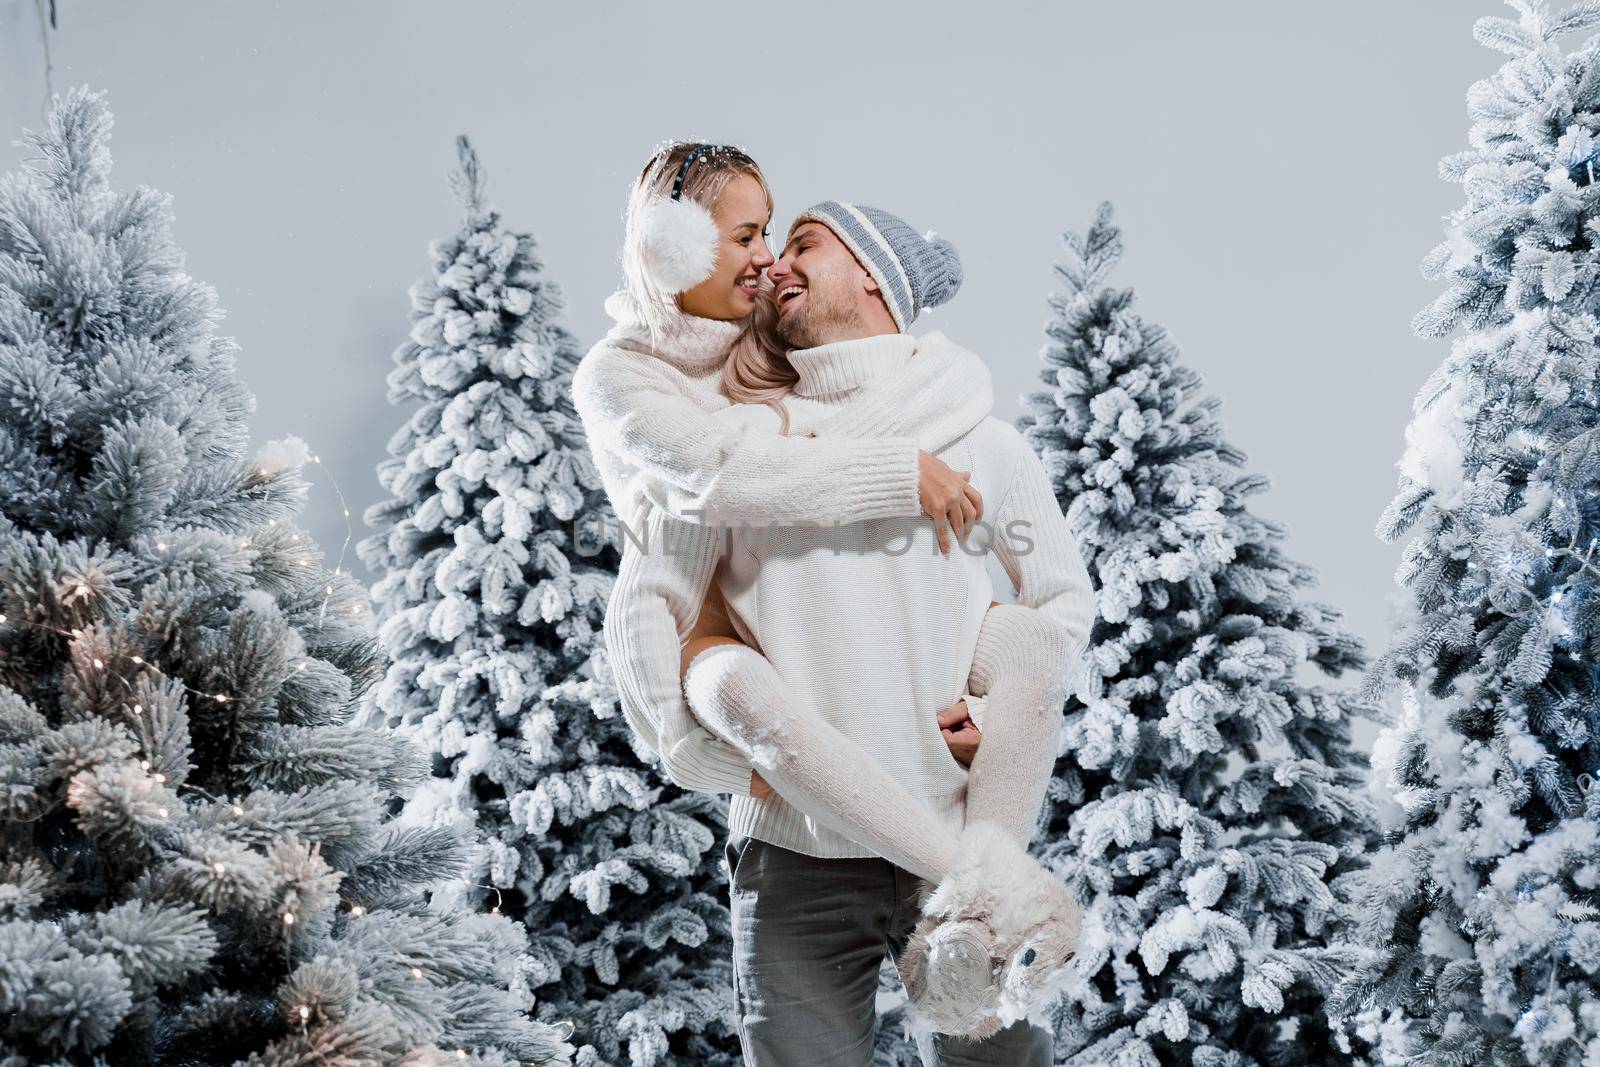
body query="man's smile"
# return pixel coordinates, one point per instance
(789, 293)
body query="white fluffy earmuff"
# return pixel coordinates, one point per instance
(677, 244)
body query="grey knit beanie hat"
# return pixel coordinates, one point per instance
(913, 271)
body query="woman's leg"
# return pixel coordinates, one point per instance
(737, 694)
(975, 877)
(1019, 665)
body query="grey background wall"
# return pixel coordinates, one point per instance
(1273, 167)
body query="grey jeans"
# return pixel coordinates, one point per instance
(809, 935)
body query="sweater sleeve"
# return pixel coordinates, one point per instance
(703, 469)
(650, 613)
(1035, 544)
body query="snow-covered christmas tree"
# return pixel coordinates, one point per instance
(1486, 893)
(197, 866)
(1207, 799)
(499, 550)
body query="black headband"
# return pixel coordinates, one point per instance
(677, 186)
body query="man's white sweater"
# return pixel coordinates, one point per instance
(648, 407)
(867, 623)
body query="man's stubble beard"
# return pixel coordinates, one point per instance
(817, 320)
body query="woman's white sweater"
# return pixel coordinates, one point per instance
(646, 406)
(648, 410)
(867, 623)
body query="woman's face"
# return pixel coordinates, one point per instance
(741, 216)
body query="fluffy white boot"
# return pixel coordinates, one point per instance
(998, 907)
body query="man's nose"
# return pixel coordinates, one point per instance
(780, 266)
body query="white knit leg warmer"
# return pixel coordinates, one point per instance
(737, 694)
(1020, 665)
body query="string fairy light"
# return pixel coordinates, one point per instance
(77, 635)
(498, 899)
(82, 590)
(349, 534)
(1585, 561)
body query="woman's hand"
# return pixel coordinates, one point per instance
(758, 786)
(947, 496)
(961, 734)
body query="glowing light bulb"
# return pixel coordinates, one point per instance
(416, 972)
(288, 918)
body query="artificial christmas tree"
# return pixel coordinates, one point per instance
(498, 551)
(1481, 905)
(196, 865)
(1206, 800)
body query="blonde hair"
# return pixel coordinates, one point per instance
(757, 370)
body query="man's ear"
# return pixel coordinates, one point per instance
(871, 282)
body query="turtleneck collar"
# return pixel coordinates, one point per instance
(689, 342)
(844, 365)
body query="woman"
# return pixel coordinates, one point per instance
(687, 342)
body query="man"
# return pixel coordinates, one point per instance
(813, 910)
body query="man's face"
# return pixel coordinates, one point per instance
(817, 284)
